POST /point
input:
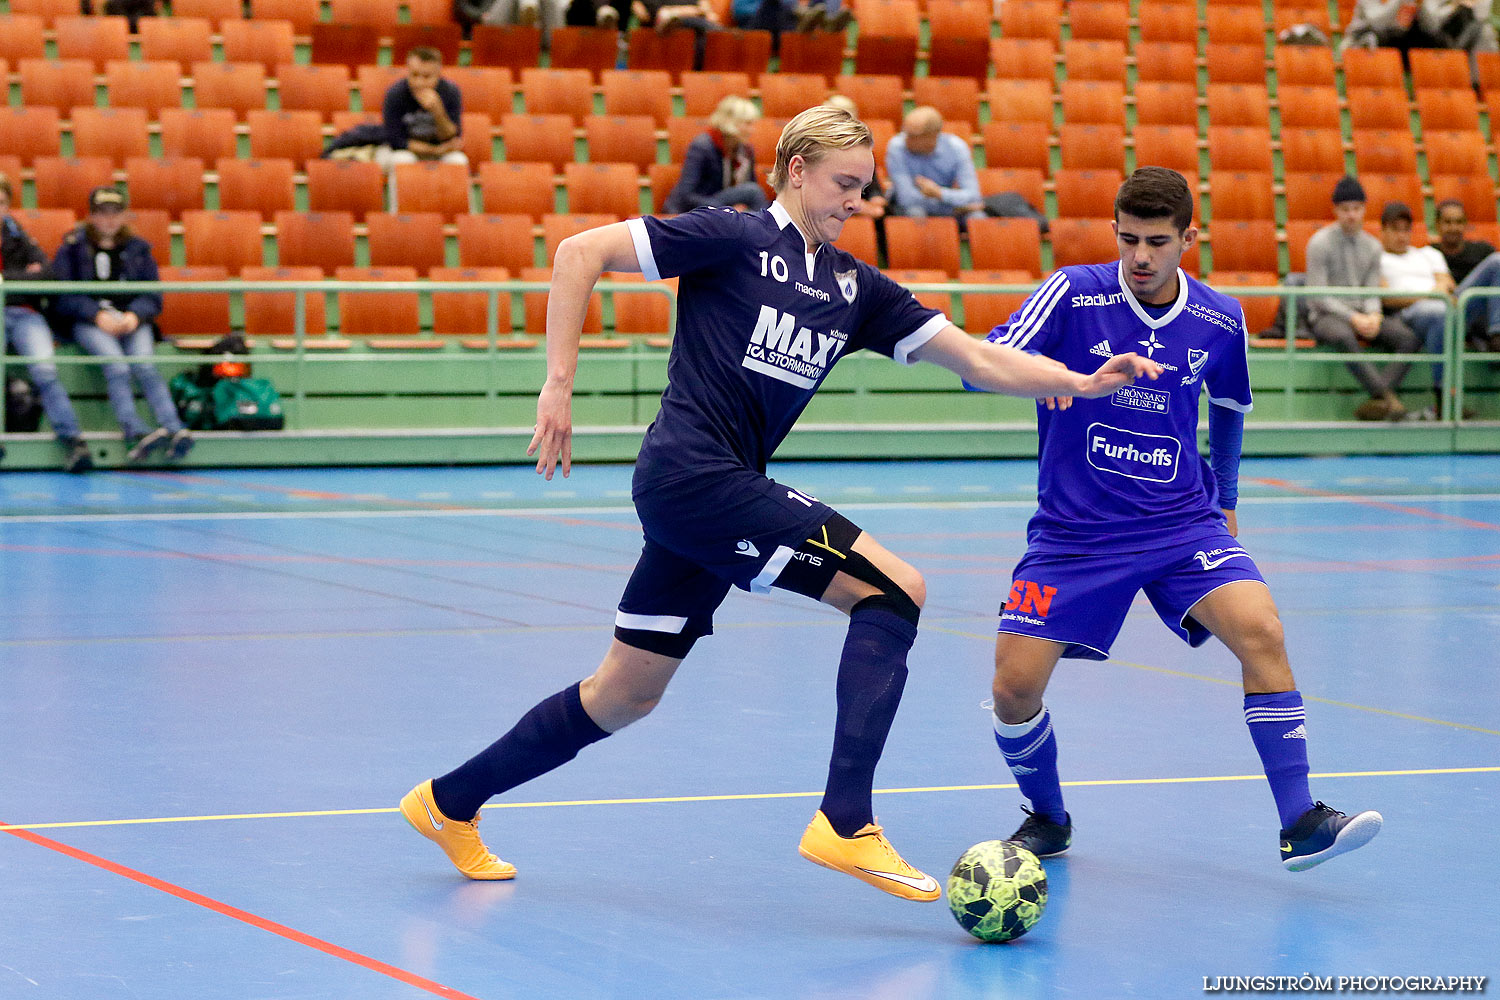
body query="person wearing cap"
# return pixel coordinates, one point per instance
(1342, 254)
(27, 331)
(115, 326)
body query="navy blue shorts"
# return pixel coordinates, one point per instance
(706, 534)
(1081, 599)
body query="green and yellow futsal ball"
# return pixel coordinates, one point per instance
(997, 890)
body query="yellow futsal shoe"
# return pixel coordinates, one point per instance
(459, 840)
(867, 856)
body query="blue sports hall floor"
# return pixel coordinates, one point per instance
(215, 686)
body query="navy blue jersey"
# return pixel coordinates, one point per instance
(1124, 470)
(760, 322)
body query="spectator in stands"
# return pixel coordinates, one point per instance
(719, 168)
(422, 114)
(932, 171)
(593, 14)
(777, 16)
(1430, 24)
(1407, 270)
(113, 326)
(548, 14)
(1342, 254)
(27, 332)
(1473, 264)
(874, 195)
(664, 16)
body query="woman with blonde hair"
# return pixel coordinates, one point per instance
(719, 168)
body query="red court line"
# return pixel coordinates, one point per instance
(281, 930)
(1433, 515)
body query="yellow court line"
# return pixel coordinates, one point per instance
(1237, 684)
(671, 799)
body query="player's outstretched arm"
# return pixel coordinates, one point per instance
(580, 260)
(996, 368)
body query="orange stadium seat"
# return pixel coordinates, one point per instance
(558, 92)
(118, 133)
(1445, 109)
(439, 188)
(745, 52)
(1312, 150)
(1166, 62)
(1456, 152)
(263, 186)
(271, 314)
(363, 314)
(172, 185)
(556, 228)
(1382, 151)
(1381, 188)
(1031, 19)
(1025, 58)
(1006, 245)
(940, 301)
(1093, 102)
(193, 314)
(496, 241)
(155, 227)
(955, 97)
(764, 133)
(889, 32)
(1286, 16)
(641, 313)
(878, 97)
(702, 92)
(638, 92)
(48, 10)
(372, 82)
(467, 314)
(536, 305)
(1092, 147)
(1166, 104)
(1083, 194)
(680, 134)
(1239, 104)
(1171, 146)
(240, 87)
(216, 12)
(538, 139)
(207, 134)
(344, 44)
(65, 183)
(983, 311)
(783, 95)
(621, 139)
(230, 240)
(411, 238)
(487, 89)
(664, 177)
(1235, 25)
(1260, 310)
(514, 47)
(1476, 192)
(96, 39)
(381, 14)
(1372, 68)
(922, 243)
(859, 240)
(603, 189)
(1310, 195)
(285, 135)
(821, 52)
(593, 50)
(1235, 63)
(1241, 194)
(960, 38)
(1028, 183)
(477, 137)
(301, 14)
(22, 37)
(1094, 59)
(324, 89)
(1236, 148)
(1487, 65)
(63, 84)
(315, 239)
(1308, 107)
(1101, 20)
(1082, 241)
(1304, 66)
(517, 188)
(1017, 145)
(176, 39)
(30, 132)
(447, 39)
(1169, 22)
(649, 49)
(46, 226)
(345, 186)
(1244, 245)
(1379, 108)
(1020, 101)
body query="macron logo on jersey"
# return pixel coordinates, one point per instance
(1149, 457)
(798, 358)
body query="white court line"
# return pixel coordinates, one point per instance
(568, 511)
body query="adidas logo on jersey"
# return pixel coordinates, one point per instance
(1102, 349)
(1300, 733)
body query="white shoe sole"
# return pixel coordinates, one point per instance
(1358, 832)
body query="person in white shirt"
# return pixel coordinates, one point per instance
(1407, 271)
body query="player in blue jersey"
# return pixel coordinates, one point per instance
(1126, 504)
(766, 306)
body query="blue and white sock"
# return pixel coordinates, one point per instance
(1030, 750)
(1278, 726)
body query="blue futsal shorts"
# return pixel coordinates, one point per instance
(1081, 599)
(706, 534)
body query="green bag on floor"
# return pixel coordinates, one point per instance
(191, 400)
(245, 404)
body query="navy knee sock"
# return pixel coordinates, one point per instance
(548, 736)
(872, 674)
(1277, 726)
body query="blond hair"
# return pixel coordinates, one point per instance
(5, 187)
(812, 134)
(734, 115)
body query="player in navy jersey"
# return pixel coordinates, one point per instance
(1126, 504)
(767, 304)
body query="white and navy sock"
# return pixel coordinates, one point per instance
(1030, 750)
